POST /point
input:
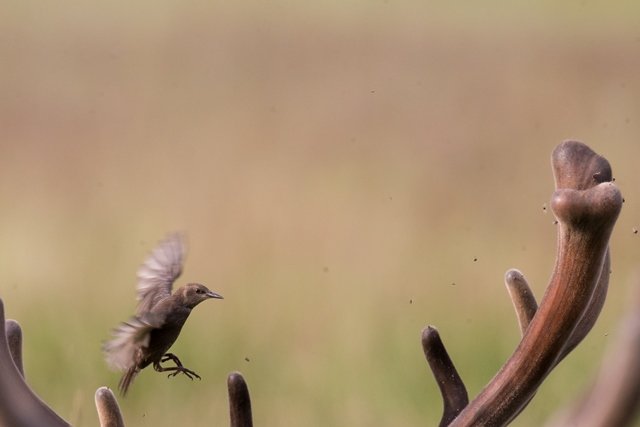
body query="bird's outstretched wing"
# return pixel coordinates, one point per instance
(161, 268)
(128, 338)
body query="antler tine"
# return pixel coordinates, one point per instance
(524, 302)
(14, 340)
(108, 410)
(586, 204)
(239, 401)
(454, 393)
(19, 406)
(614, 398)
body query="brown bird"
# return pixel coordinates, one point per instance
(160, 315)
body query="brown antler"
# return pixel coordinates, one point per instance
(14, 341)
(522, 298)
(239, 401)
(109, 413)
(454, 393)
(586, 204)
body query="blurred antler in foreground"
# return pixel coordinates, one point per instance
(586, 204)
(109, 413)
(19, 405)
(614, 398)
(14, 341)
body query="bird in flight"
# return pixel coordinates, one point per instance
(145, 339)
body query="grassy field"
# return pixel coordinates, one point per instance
(337, 167)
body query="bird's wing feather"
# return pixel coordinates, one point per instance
(128, 339)
(161, 268)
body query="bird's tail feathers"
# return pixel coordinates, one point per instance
(127, 379)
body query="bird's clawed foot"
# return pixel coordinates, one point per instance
(181, 369)
(175, 370)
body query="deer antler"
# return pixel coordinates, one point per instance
(14, 341)
(109, 413)
(454, 393)
(586, 204)
(239, 401)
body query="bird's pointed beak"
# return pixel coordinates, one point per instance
(214, 295)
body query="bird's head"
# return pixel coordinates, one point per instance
(194, 293)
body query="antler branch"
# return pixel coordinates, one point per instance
(586, 204)
(108, 410)
(522, 298)
(14, 341)
(239, 401)
(454, 393)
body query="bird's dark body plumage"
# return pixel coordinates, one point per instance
(145, 339)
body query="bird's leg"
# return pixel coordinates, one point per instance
(171, 356)
(175, 370)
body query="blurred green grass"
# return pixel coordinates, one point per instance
(337, 167)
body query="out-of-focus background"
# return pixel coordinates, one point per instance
(347, 173)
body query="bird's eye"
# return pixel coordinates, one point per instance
(199, 291)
